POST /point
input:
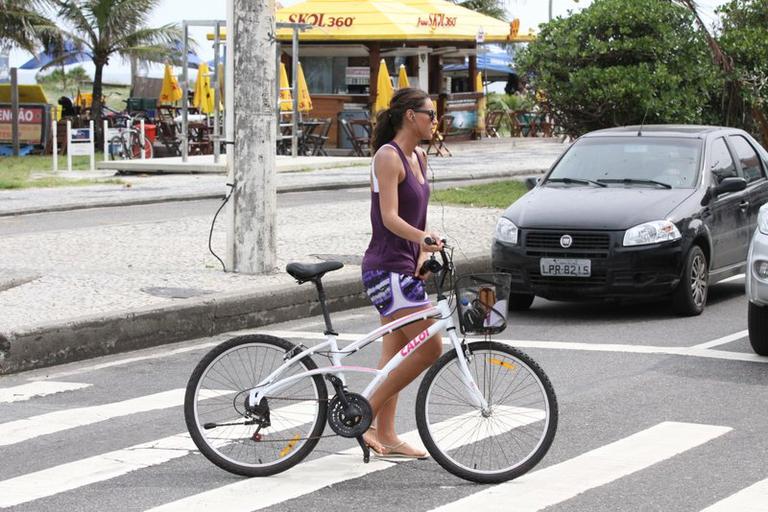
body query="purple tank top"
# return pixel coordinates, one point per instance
(387, 251)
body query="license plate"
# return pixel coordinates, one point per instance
(565, 267)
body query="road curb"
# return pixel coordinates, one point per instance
(280, 190)
(93, 336)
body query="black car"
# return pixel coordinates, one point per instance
(636, 212)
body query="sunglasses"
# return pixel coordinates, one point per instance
(431, 113)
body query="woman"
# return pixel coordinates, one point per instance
(399, 197)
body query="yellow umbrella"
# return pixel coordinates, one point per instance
(402, 78)
(286, 101)
(171, 91)
(305, 101)
(203, 98)
(480, 104)
(384, 91)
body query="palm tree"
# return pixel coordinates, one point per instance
(110, 28)
(24, 23)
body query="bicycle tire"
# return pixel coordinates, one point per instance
(213, 448)
(523, 418)
(117, 149)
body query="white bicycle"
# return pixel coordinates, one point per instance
(257, 405)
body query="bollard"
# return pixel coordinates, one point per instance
(106, 140)
(93, 146)
(141, 141)
(69, 146)
(55, 148)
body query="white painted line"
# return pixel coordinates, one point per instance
(722, 341)
(555, 484)
(28, 428)
(751, 499)
(72, 475)
(35, 389)
(567, 345)
(300, 480)
(732, 278)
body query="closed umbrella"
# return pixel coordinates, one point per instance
(171, 91)
(384, 91)
(203, 98)
(286, 101)
(305, 101)
(402, 78)
(481, 107)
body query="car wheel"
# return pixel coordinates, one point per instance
(690, 296)
(520, 301)
(757, 323)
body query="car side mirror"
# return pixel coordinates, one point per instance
(730, 185)
(532, 181)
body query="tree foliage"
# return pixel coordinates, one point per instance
(492, 8)
(24, 23)
(617, 63)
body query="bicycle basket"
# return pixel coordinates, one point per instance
(483, 300)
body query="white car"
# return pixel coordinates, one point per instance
(757, 284)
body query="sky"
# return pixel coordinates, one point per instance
(530, 12)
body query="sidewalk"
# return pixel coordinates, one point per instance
(72, 294)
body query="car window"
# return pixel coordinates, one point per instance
(720, 162)
(750, 162)
(671, 161)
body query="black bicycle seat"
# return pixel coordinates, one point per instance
(310, 271)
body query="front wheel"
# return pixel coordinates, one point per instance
(234, 436)
(690, 296)
(757, 322)
(501, 443)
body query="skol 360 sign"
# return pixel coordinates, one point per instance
(321, 20)
(437, 20)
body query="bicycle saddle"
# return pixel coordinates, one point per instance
(310, 271)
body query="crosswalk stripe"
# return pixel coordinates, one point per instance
(751, 499)
(35, 389)
(307, 477)
(603, 465)
(52, 422)
(72, 475)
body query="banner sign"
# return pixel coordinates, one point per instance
(321, 20)
(32, 124)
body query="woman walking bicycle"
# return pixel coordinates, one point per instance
(399, 198)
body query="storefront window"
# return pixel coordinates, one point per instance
(325, 75)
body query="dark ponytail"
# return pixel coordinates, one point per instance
(390, 120)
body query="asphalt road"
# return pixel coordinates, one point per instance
(656, 413)
(158, 212)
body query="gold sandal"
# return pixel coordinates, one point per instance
(397, 452)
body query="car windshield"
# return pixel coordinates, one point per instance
(651, 162)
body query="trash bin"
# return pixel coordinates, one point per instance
(348, 115)
(150, 132)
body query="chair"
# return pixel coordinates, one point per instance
(493, 121)
(316, 141)
(168, 130)
(438, 136)
(361, 144)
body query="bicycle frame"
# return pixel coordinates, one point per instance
(441, 311)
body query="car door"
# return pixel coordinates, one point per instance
(752, 167)
(727, 214)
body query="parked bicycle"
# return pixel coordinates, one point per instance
(128, 143)
(256, 405)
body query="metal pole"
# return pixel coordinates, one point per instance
(106, 140)
(15, 111)
(279, 109)
(216, 78)
(55, 142)
(185, 88)
(550, 10)
(142, 140)
(295, 79)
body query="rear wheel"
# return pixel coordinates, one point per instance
(520, 301)
(496, 445)
(229, 434)
(690, 296)
(757, 322)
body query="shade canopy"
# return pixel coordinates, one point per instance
(305, 100)
(286, 100)
(390, 20)
(73, 56)
(204, 94)
(495, 63)
(170, 92)
(402, 78)
(384, 90)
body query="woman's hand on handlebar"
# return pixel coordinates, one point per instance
(431, 243)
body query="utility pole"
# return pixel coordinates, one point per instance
(251, 117)
(15, 111)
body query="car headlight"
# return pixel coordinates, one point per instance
(762, 220)
(651, 233)
(506, 231)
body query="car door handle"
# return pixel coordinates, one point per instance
(744, 205)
